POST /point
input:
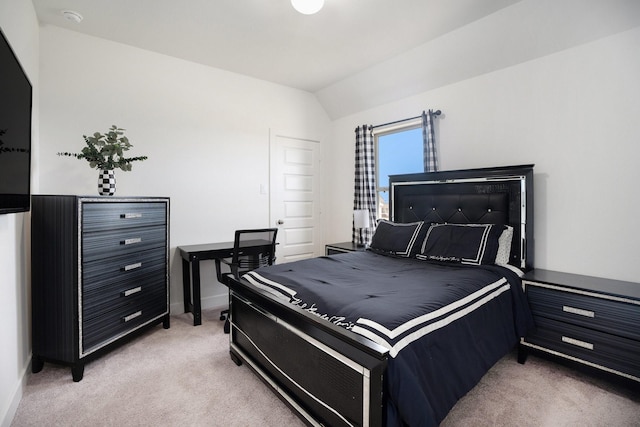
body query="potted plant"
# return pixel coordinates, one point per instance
(105, 152)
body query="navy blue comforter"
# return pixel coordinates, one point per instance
(444, 325)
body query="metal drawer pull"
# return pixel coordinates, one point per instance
(579, 343)
(132, 266)
(132, 291)
(132, 316)
(579, 311)
(132, 241)
(131, 215)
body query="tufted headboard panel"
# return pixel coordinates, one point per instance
(475, 196)
(454, 208)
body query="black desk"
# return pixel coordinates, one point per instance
(191, 257)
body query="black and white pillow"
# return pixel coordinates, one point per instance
(473, 244)
(397, 239)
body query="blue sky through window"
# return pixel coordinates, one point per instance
(399, 152)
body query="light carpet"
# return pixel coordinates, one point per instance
(184, 376)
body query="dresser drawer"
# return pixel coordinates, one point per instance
(594, 312)
(104, 244)
(611, 351)
(99, 300)
(99, 330)
(118, 215)
(99, 273)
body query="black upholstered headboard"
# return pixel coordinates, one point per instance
(502, 195)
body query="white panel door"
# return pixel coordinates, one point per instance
(294, 197)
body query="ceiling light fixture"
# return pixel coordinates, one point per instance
(307, 7)
(72, 16)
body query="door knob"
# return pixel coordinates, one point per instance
(280, 222)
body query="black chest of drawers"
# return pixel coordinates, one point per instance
(99, 273)
(593, 321)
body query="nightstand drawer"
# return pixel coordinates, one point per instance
(108, 216)
(602, 349)
(594, 312)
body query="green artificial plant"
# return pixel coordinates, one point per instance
(105, 151)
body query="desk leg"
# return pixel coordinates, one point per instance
(186, 285)
(195, 280)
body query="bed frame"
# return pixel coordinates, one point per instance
(329, 375)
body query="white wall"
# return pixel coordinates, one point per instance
(574, 114)
(20, 27)
(206, 132)
(523, 31)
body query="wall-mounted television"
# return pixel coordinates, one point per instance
(15, 132)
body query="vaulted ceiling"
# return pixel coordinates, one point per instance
(268, 39)
(353, 54)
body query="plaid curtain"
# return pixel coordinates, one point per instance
(365, 183)
(429, 142)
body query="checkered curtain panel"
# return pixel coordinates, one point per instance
(365, 183)
(429, 142)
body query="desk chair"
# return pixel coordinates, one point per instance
(251, 249)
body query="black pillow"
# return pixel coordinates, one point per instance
(397, 239)
(461, 243)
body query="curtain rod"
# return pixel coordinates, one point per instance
(435, 113)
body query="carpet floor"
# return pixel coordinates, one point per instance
(184, 376)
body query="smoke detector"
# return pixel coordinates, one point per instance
(72, 16)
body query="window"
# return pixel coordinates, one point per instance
(398, 150)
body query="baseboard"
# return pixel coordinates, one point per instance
(216, 301)
(10, 411)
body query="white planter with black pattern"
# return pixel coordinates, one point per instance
(107, 183)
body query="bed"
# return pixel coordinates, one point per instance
(395, 335)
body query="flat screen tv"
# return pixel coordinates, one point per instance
(15, 132)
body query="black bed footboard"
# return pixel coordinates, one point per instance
(328, 375)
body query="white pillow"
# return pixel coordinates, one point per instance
(504, 246)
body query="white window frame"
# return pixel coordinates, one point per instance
(391, 128)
